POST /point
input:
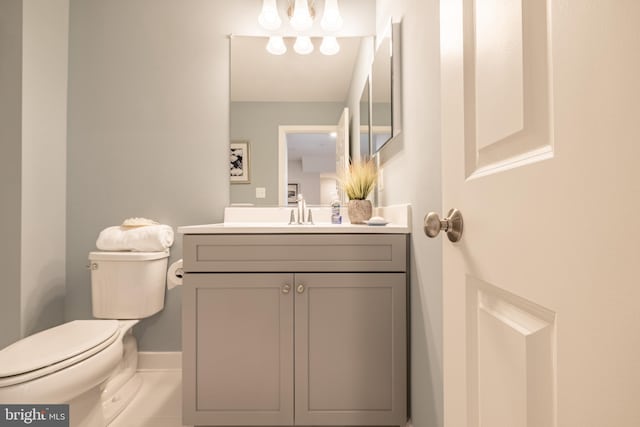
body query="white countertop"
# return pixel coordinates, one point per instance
(283, 228)
(275, 221)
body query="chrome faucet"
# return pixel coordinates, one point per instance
(301, 206)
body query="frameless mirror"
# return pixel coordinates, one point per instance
(292, 101)
(365, 120)
(382, 125)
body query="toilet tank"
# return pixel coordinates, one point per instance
(127, 285)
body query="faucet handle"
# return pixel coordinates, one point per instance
(292, 217)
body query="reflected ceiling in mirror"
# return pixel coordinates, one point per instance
(258, 76)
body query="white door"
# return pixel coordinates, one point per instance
(541, 154)
(342, 149)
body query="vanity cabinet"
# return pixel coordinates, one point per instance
(276, 339)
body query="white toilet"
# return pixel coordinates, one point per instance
(90, 364)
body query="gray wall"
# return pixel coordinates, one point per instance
(412, 173)
(258, 123)
(148, 125)
(10, 167)
(148, 131)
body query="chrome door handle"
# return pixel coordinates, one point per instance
(300, 289)
(286, 289)
(452, 224)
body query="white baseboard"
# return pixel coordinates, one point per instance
(159, 360)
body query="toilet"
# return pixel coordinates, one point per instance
(90, 364)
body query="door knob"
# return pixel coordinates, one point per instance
(452, 224)
(300, 289)
(286, 289)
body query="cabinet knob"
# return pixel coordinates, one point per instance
(286, 289)
(300, 288)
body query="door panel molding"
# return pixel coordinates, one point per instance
(507, 85)
(511, 358)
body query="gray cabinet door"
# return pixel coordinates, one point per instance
(350, 347)
(238, 349)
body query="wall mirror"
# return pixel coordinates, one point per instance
(365, 120)
(383, 127)
(303, 96)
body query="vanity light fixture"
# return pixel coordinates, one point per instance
(276, 45)
(301, 15)
(269, 18)
(331, 19)
(303, 45)
(329, 46)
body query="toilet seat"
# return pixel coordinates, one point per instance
(55, 349)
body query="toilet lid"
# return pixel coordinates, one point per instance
(55, 345)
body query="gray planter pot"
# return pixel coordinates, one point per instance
(359, 211)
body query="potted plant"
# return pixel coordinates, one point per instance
(357, 182)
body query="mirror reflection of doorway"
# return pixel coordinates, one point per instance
(320, 140)
(311, 166)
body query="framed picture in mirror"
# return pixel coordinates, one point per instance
(239, 162)
(292, 193)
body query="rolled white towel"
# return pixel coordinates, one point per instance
(151, 238)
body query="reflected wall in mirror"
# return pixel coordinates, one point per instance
(383, 127)
(270, 92)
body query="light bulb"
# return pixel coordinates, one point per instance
(276, 45)
(303, 45)
(329, 45)
(269, 18)
(331, 19)
(301, 19)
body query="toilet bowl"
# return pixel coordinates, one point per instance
(90, 364)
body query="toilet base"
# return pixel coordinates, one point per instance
(124, 382)
(113, 407)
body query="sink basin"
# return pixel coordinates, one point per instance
(275, 220)
(273, 215)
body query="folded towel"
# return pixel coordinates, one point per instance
(138, 222)
(151, 238)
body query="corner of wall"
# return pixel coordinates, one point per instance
(44, 150)
(10, 167)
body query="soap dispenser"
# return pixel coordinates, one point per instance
(336, 218)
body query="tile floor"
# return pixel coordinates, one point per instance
(157, 404)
